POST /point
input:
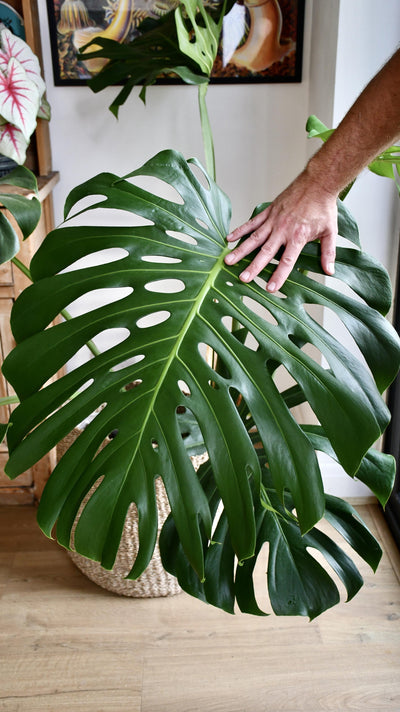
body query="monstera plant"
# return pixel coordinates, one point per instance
(161, 393)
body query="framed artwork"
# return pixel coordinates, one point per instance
(262, 40)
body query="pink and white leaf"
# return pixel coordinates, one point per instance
(14, 47)
(19, 98)
(13, 143)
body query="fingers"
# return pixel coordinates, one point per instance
(248, 227)
(285, 266)
(262, 259)
(256, 239)
(328, 253)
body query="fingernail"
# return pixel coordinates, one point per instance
(331, 268)
(229, 259)
(271, 286)
(245, 276)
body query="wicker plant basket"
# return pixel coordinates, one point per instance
(155, 581)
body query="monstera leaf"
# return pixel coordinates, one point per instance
(179, 352)
(296, 582)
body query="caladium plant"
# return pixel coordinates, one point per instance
(22, 98)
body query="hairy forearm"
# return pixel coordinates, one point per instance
(370, 126)
(307, 209)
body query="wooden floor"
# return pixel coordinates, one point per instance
(66, 644)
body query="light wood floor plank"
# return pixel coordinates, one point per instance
(66, 644)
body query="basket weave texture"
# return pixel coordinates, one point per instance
(155, 581)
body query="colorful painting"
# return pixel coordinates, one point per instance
(261, 39)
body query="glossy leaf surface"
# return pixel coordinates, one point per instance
(26, 211)
(164, 355)
(295, 582)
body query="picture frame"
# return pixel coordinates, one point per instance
(262, 40)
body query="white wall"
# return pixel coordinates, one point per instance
(249, 122)
(367, 34)
(258, 129)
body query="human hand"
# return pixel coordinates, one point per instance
(302, 213)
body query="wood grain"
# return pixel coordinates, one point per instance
(66, 644)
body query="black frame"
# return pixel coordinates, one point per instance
(289, 70)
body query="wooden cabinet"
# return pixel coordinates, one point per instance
(27, 487)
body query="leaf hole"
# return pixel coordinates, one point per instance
(102, 257)
(166, 286)
(243, 335)
(182, 237)
(85, 386)
(154, 444)
(202, 223)
(109, 338)
(260, 310)
(282, 378)
(128, 362)
(160, 259)
(158, 186)
(89, 201)
(131, 385)
(213, 385)
(153, 319)
(184, 388)
(199, 174)
(214, 360)
(97, 298)
(190, 432)
(312, 351)
(92, 416)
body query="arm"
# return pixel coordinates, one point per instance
(306, 210)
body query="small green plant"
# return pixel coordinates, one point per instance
(262, 481)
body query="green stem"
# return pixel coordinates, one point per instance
(90, 344)
(9, 400)
(208, 142)
(64, 313)
(23, 268)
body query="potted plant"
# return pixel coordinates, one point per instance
(262, 481)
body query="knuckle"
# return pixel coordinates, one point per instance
(287, 261)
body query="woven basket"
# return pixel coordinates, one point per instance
(155, 581)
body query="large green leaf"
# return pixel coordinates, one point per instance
(25, 210)
(296, 583)
(184, 241)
